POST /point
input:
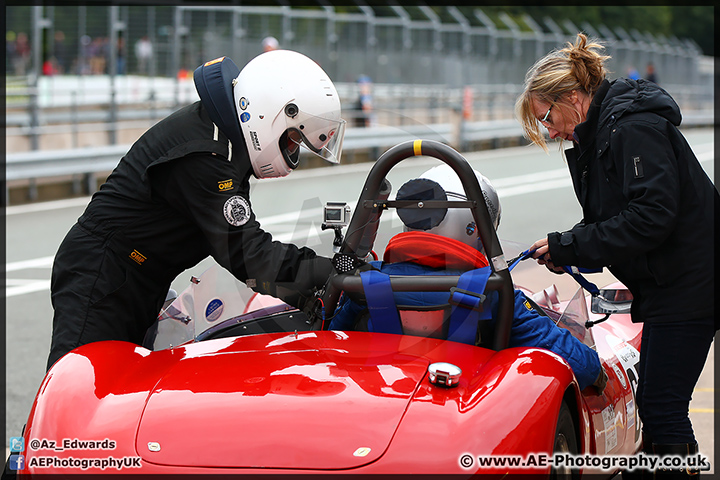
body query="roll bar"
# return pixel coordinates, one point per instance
(364, 223)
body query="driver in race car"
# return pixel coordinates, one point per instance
(446, 241)
(182, 193)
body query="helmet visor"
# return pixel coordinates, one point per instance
(322, 136)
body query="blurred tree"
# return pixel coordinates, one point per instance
(695, 22)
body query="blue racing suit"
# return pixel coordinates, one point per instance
(529, 329)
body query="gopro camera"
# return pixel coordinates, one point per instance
(336, 214)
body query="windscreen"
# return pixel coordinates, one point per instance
(210, 299)
(574, 318)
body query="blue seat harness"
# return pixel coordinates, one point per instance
(575, 272)
(466, 300)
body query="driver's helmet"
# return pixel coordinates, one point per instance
(442, 183)
(283, 100)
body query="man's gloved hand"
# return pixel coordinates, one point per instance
(601, 380)
(351, 265)
(314, 309)
(312, 275)
(346, 263)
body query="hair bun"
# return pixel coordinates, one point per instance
(587, 64)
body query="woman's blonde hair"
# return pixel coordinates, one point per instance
(575, 67)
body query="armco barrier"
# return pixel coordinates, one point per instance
(92, 160)
(52, 163)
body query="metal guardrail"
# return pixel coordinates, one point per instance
(92, 160)
(66, 118)
(52, 163)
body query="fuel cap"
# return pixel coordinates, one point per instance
(444, 374)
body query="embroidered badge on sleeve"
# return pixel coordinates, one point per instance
(236, 211)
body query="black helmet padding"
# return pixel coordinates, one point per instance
(213, 81)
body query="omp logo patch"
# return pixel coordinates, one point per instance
(255, 141)
(225, 185)
(138, 257)
(214, 61)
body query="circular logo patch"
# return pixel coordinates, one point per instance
(237, 211)
(470, 228)
(244, 117)
(214, 310)
(243, 103)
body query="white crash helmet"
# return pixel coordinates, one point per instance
(284, 99)
(456, 223)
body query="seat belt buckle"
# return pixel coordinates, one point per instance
(466, 299)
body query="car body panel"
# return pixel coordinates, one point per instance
(614, 414)
(275, 397)
(264, 402)
(308, 392)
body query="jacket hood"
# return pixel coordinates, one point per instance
(627, 96)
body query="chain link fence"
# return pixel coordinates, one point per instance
(411, 44)
(134, 63)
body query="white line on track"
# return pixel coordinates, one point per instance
(32, 287)
(47, 206)
(42, 262)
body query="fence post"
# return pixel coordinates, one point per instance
(38, 24)
(466, 47)
(331, 42)
(152, 69)
(176, 47)
(82, 19)
(371, 41)
(505, 18)
(288, 34)
(492, 38)
(539, 37)
(236, 34)
(74, 118)
(113, 20)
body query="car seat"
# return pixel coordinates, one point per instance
(431, 314)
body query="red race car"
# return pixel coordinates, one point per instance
(233, 382)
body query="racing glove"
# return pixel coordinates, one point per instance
(601, 380)
(351, 265)
(311, 276)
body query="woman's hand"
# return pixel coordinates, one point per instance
(542, 255)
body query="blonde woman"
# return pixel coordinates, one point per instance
(649, 211)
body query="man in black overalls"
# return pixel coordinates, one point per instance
(181, 193)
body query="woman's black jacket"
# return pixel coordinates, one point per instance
(650, 210)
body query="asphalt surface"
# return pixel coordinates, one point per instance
(536, 197)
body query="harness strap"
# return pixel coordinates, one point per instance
(466, 300)
(586, 284)
(467, 305)
(575, 272)
(384, 317)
